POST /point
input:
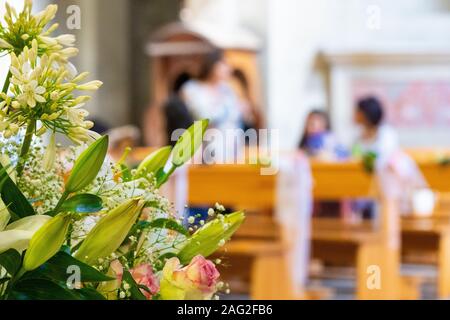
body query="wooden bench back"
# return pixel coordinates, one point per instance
(336, 181)
(238, 187)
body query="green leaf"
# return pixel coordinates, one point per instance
(4, 280)
(136, 293)
(159, 265)
(57, 269)
(153, 163)
(161, 223)
(82, 203)
(169, 224)
(189, 142)
(87, 165)
(11, 261)
(41, 289)
(14, 199)
(210, 237)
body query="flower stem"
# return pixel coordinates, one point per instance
(7, 82)
(26, 146)
(61, 201)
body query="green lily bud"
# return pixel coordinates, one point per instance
(47, 241)
(110, 232)
(152, 163)
(211, 236)
(189, 142)
(87, 165)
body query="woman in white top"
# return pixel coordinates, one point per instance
(211, 97)
(375, 137)
(399, 174)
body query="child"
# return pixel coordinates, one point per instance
(318, 141)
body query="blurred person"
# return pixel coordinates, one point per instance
(375, 136)
(210, 96)
(176, 111)
(399, 174)
(252, 117)
(318, 140)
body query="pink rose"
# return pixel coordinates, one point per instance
(143, 275)
(197, 281)
(203, 274)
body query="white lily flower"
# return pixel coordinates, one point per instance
(31, 94)
(31, 223)
(18, 234)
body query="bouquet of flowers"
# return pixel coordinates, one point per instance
(74, 225)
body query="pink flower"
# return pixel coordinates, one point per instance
(143, 275)
(197, 281)
(203, 274)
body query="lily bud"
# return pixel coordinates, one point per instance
(110, 232)
(5, 45)
(80, 100)
(69, 52)
(80, 77)
(87, 165)
(66, 39)
(47, 241)
(153, 162)
(211, 236)
(49, 14)
(90, 86)
(189, 142)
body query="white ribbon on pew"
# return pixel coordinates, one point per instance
(293, 212)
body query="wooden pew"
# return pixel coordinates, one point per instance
(334, 181)
(427, 240)
(259, 241)
(369, 249)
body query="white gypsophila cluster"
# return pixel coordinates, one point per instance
(42, 185)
